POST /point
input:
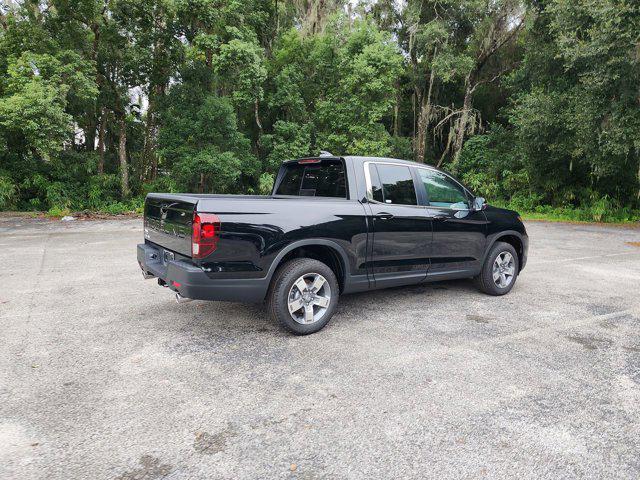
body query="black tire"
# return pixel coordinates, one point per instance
(282, 285)
(485, 281)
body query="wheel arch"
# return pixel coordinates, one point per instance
(514, 239)
(326, 251)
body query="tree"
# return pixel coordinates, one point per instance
(575, 117)
(499, 24)
(159, 52)
(599, 42)
(200, 142)
(426, 37)
(533, 101)
(313, 15)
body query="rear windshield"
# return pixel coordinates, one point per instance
(323, 179)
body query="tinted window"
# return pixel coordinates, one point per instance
(376, 186)
(290, 184)
(443, 191)
(323, 179)
(396, 182)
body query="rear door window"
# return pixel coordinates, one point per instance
(392, 184)
(325, 178)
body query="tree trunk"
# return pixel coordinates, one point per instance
(147, 152)
(396, 112)
(446, 150)
(256, 112)
(101, 134)
(423, 123)
(150, 159)
(461, 127)
(638, 180)
(421, 133)
(413, 107)
(122, 154)
(208, 57)
(423, 120)
(90, 133)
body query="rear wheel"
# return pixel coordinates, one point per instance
(500, 270)
(303, 295)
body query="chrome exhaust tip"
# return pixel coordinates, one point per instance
(181, 299)
(146, 275)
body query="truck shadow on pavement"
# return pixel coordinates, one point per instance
(238, 319)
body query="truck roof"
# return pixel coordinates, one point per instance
(358, 159)
(361, 159)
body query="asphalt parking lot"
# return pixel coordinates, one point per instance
(104, 376)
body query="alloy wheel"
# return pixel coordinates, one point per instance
(504, 269)
(309, 298)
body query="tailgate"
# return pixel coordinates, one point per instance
(168, 221)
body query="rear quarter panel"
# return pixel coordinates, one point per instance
(255, 230)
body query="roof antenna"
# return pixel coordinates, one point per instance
(324, 153)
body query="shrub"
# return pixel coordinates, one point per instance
(58, 212)
(8, 193)
(266, 183)
(103, 190)
(525, 202)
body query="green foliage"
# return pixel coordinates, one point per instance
(102, 190)
(490, 168)
(211, 96)
(602, 211)
(201, 143)
(289, 140)
(266, 183)
(350, 118)
(58, 212)
(8, 193)
(575, 113)
(38, 89)
(134, 205)
(242, 65)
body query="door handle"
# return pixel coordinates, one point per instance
(384, 216)
(440, 217)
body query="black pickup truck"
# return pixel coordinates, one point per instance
(332, 226)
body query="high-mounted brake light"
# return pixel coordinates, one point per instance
(309, 160)
(206, 233)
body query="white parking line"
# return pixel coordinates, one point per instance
(569, 260)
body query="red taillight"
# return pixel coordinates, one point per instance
(206, 232)
(308, 160)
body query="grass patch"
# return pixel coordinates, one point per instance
(134, 206)
(595, 214)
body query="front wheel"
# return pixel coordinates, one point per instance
(303, 295)
(500, 270)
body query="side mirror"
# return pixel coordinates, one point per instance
(479, 203)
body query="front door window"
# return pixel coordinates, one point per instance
(443, 191)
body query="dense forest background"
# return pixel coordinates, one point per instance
(534, 104)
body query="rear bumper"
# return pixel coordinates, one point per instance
(191, 282)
